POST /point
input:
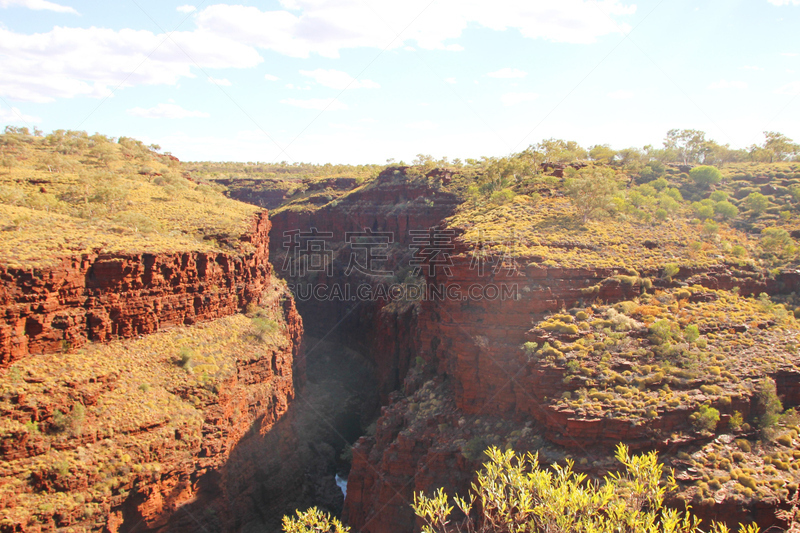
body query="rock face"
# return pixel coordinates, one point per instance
(100, 296)
(473, 345)
(245, 467)
(163, 449)
(392, 203)
(225, 457)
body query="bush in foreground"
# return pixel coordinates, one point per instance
(514, 493)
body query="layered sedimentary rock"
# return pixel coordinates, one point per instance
(101, 296)
(470, 343)
(130, 437)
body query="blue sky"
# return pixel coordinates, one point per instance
(361, 81)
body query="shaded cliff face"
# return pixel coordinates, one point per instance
(393, 205)
(140, 435)
(101, 296)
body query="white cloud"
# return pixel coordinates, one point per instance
(329, 104)
(517, 98)
(325, 28)
(166, 111)
(422, 125)
(751, 67)
(784, 2)
(450, 80)
(69, 62)
(186, 8)
(220, 81)
(336, 79)
(15, 116)
(725, 84)
(508, 73)
(789, 54)
(792, 88)
(620, 95)
(38, 5)
(270, 77)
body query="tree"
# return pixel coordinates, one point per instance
(756, 202)
(560, 151)
(769, 406)
(687, 145)
(602, 152)
(705, 176)
(591, 191)
(779, 146)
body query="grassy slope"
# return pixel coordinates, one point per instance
(71, 194)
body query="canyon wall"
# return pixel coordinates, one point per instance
(100, 296)
(393, 203)
(243, 471)
(471, 352)
(221, 454)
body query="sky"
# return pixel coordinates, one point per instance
(365, 81)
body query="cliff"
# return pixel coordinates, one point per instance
(96, 297)
(477, 384)
(148, 434)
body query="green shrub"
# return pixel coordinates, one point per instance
(736, 420)
(69, 422)
(691, 333)
(670, 270)
(502, 197)
(186, 355)
(662, 331)
(530, 347)
(756, 202)
(769, 405)
(313, 521)
(718, 196)
(514, 493)
(705, 418)
(725, 209)
(703, 210)
(705, 176)
(263, 326)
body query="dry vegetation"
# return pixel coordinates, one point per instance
(80, 430)
(672, 350)
(69, 193)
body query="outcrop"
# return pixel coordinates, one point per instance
(187, 424)
(96, 297)
(481, 388)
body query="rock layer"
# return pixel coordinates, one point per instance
(474, 345)
(101, 296)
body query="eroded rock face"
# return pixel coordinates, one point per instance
(244, 469)
(473, 345)
(100, 296)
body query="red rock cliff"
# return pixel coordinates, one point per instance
(473, 346)
(100, 296)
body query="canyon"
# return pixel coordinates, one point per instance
(402, 395)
